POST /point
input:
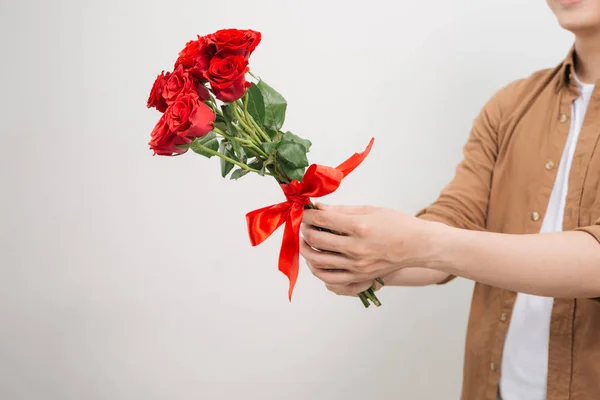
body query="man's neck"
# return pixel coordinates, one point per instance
(587, 61)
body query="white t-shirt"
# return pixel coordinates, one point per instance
(524, 370)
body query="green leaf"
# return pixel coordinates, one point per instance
(239, 152)
(257, 164)
(227, 113)
(291, 158)
(293, 154)
(184, 147)
(271, 133)
(289, 136)
(207, 141)
(238, 173)
(293, 173)
(268, 147)
(227, 150)
(275, 106)
(219, 119)
(256, 104)
(222, 125)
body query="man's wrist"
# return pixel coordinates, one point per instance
(439, 245)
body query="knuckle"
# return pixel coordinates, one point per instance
(359, 250)
(310, 259)
(304, 229)
(320, 220)
(308, 236)
(358, 264)
(361, 228)
(362, 264)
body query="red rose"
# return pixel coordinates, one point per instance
(196, 56)
(180, 82)
(156, 98)
(189, 116)
(227, 77)
(164, 142)
(235, 42)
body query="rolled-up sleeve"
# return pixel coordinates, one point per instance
(593, 230)
(463, 202)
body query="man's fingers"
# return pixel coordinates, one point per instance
(335, 221)
(350, 210)
(352, 289)
(336, 277)
(322, 260)
(325, 241)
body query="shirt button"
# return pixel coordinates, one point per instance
(549, 165)
(503, 317)
(535, 216)
(562, 117)
(493, 367)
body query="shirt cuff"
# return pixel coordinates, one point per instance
(593, 230)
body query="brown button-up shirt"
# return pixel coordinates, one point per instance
(503, 185)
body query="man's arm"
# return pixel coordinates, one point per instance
(565, 264)
(416, 277)
(379, 242)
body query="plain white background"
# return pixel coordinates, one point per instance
(127, 276)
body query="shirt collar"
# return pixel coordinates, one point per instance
(565, 74)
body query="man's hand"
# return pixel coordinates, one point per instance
(371, 243)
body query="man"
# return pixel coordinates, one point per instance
(521, 218)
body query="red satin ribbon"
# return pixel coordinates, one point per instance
(318, 181)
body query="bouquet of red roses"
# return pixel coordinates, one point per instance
(208, 106)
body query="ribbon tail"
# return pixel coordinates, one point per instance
(289, 255)
(264, 221)
(355, 160)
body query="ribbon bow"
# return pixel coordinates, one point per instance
(318, 181)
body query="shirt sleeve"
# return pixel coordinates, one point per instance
(593, 230)
(463, 202)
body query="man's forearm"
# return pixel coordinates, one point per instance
(565, 264)
(415, 277)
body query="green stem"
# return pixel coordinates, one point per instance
(228, 159)
(231, 138)
(244, 133)
(281, 178)
(242, 141)
(259, 129)
(380, 281)
(252, 121)
(371, 296)
(213, 105)
(239, 118)
(259, 150)
(364, 300)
